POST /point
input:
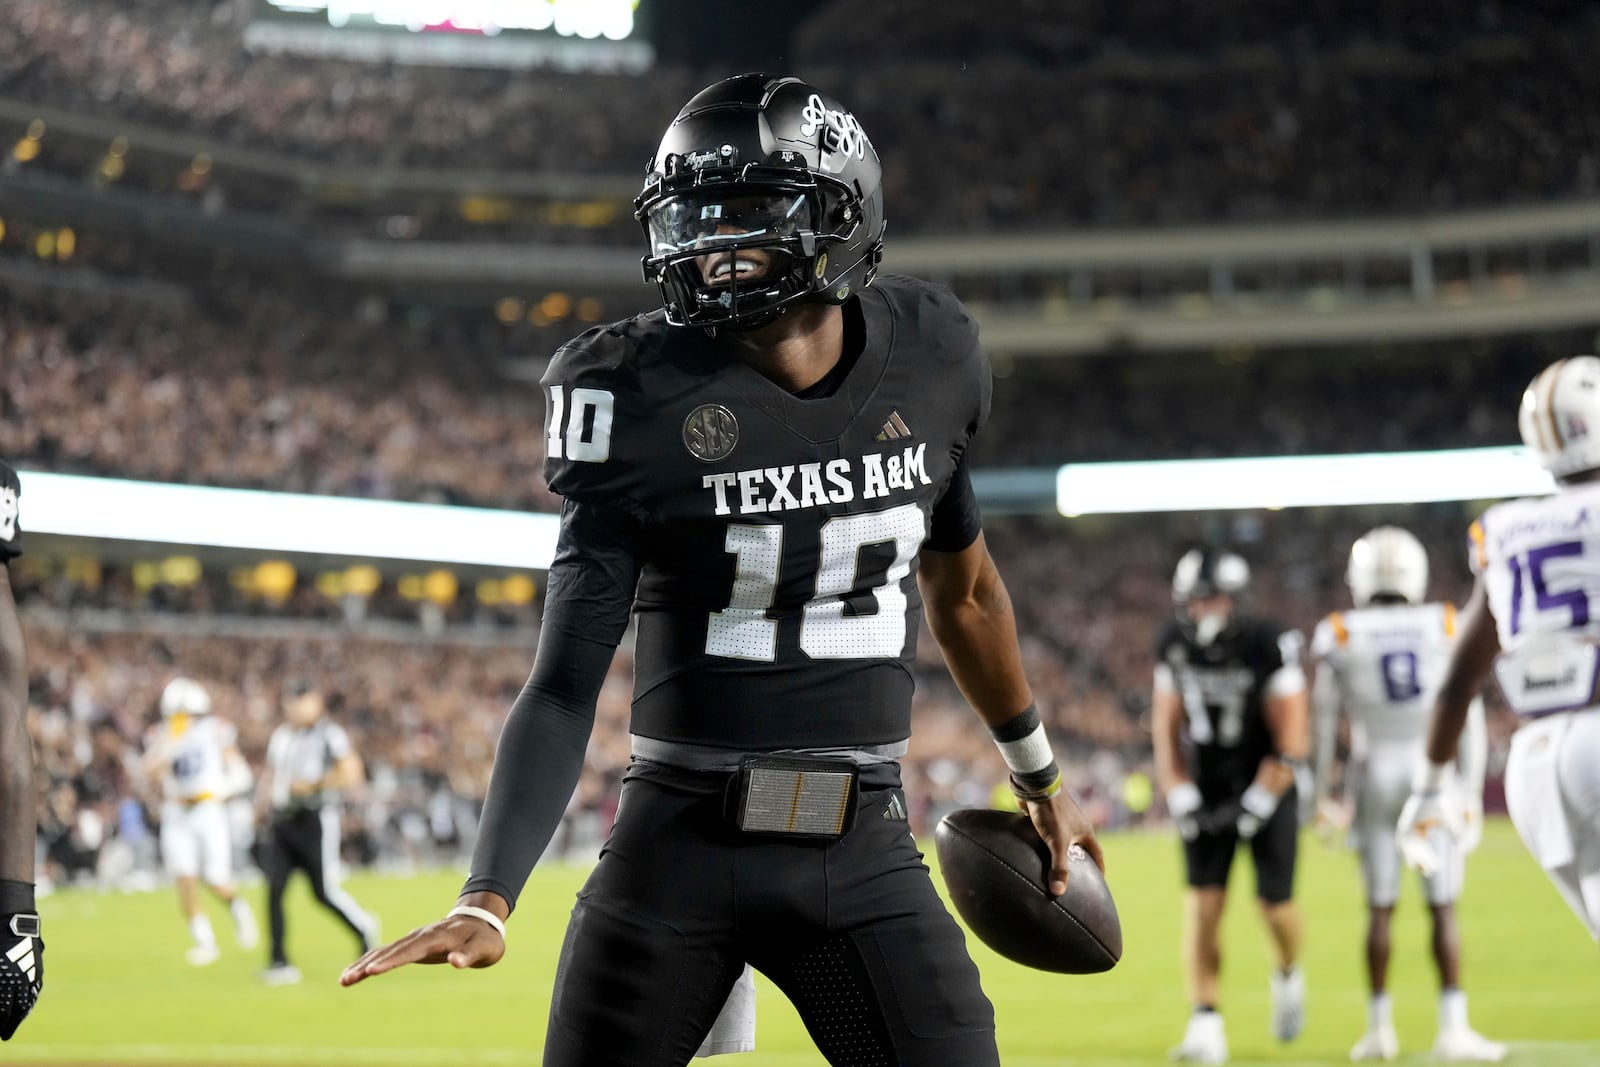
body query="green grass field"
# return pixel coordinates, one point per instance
(119, 992)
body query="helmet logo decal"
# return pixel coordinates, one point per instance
(843, 135)
(724, 156)
(710, 433)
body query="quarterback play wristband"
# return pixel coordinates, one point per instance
(1026, 750)
(480, 913)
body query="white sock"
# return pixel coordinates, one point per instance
(1452, 1010)
(1380, 1012)
(200, 930)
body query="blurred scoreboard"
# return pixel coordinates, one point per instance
(576, 35)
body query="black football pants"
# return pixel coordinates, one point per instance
(853, 932)
(302, 840)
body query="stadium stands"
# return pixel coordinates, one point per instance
(160, 366)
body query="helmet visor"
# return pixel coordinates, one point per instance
(706, 220)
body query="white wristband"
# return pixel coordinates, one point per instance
(480, 913)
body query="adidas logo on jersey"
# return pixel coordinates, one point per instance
(21, 954)
(894, 429)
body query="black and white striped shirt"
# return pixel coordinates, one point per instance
(304, 755)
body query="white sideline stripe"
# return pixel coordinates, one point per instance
(119, 509)
(273, 1054)
(454, 1056)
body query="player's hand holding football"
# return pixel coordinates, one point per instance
(472, 935)
(1062, 824)
(21, 970)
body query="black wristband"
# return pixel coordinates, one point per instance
(1018, 726)
(15, 896)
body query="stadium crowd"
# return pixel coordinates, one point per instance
(268, 391)
(1309, 112)
(1276, 111)
(424, 708)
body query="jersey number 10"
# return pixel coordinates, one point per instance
(742, 630)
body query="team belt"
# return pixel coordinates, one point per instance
(198, 798)
(794, 797)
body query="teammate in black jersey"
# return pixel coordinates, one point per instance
(21, 949)
(1231, 722)
(770, 473)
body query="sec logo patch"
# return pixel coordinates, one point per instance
(710, 433)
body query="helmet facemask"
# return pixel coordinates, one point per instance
(768, 166)
(734, 249)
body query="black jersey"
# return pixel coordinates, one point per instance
(777, 604)
(1223, 686)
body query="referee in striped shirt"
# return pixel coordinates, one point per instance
(309, 763)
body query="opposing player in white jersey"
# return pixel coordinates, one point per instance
(195, 757)
(1380, 665)
(1534, 618)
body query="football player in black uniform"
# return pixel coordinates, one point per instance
(21, 950)
(770, 472)
(1233, 687)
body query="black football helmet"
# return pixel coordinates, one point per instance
(1202, 573)
(764, 192)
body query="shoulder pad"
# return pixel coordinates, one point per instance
(596, 418)
(1331, 634)
(930, 317)
(1167, 635)
(943, 324)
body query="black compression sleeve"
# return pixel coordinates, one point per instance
(540, 755)
(956, 521)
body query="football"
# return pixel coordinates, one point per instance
(995, 866)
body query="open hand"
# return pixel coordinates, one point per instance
(459, 940)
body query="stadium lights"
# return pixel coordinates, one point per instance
(156, 512)
(1299, 481)
(612, 19)
(122, 510)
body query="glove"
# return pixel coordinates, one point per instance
(1256, 806)
(1428, 812)
(1332, 821)
(21, 969)
(10, 524)
(1183, 804)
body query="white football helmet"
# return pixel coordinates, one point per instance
(184, 696)
(1388, 560)
(1560, 416)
